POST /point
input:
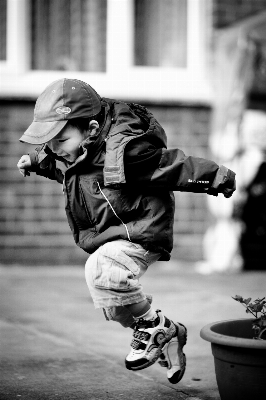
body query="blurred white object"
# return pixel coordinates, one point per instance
(221, 248)
(253, 129)
(221, 242)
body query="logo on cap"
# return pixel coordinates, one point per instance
(63, 110)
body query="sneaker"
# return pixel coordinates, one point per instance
(149, 338)
(172, 356)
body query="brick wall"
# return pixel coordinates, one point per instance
(226, 12)
(33, 226)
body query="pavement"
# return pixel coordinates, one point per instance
(54, 345)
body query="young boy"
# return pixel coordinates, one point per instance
(118, 179)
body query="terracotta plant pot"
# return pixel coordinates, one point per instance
(240, 360)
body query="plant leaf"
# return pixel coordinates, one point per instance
(259, 307)
(238, 298)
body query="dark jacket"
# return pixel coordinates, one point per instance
(121, 186)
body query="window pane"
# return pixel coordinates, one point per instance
(69, 35)
(3, 29)
(161, 33)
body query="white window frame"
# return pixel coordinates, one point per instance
(122, 79)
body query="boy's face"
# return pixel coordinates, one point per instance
(66, 143)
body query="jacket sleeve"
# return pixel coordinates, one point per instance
(45, 165)
(172, 169)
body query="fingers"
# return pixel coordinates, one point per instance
(22, 161)
(23, 172)
(227, 195)
(23, 164)
(228, 192)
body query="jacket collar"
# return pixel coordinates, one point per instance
(95, 142)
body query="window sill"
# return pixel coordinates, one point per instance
(136, 84)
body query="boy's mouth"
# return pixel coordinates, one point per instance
(63, 155)
(66, 156)
(69, 157)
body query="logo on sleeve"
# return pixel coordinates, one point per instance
(196, 181)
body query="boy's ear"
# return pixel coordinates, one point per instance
(93, 127)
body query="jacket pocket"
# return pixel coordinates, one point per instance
(92, 200)
(115, 270)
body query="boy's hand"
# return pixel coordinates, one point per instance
(24, 165)
(227, 192)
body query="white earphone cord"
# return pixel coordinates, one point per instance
(114, 211)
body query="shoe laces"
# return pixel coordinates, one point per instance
(140, 337)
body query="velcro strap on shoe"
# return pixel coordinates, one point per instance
(141, 335)
(137, 345)
(145, 324)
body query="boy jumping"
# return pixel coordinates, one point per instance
(118, 179)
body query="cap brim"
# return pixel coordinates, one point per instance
(42, 132)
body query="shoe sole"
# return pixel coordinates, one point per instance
(156, 355)
(182, 340)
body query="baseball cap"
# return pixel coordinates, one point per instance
(61, 101)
